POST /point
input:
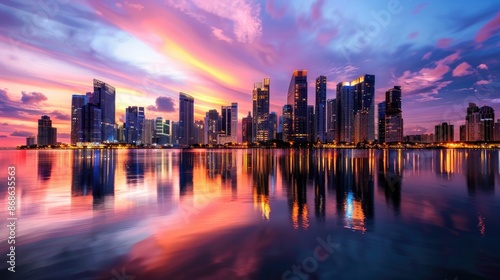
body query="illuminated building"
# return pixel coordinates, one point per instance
(186, 119)
(444, 132)
(246, 128)
(297, 97)
(287, 123)
(47, 135)
(320, 110)
(381, 122)
(261, 95)
(363, 89)
(393, 115)
(104, 98)
(345, 113)
(331, 119)
(77, 103)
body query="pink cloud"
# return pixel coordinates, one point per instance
(462, 69)
(274, 11)
(444, 43)
(219, 34)
(413, 35)
(483, 82)
(489, 29)
(427, 56)
(316, 10)
(325, 37)
(419, 8)
(482, 66)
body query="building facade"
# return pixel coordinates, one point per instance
(246, 128)
(444, 133)
(320, 110)
(186, 119)
(393, 115)
(261, 97)
(331, 119)
(47, 135)
(297, 97)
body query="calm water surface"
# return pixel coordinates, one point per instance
(254, 214)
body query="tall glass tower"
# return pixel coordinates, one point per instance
(104, 98)
(297, 97)
(261, 95)
(186, 119)
(320, 113)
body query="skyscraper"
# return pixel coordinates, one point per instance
(134, 122)
(199, 132)
(229, 126)
(331, 119)
(472, 122)
(345, 113)
(297, 97)
(212, 127)
(287, 123)
(381, 122)
(497, 130)
(148, 132)
(104, 98)
(444, 132)
(47, 135)
(261, 96)
(77, 103)
(393, 115)
(320, 113)
(487, 124)
(91, 124)
(273, 125)
(463, 133)
(364, 104)
(246, 128)
(186, 119)
(311, 124)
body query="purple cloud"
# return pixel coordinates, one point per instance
(32, 98)
(21, 133)
(163, 104)
(60, 115)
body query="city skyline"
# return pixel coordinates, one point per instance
(441, 66)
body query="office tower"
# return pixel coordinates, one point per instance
(148, 132)
(229, 125)
(444, 133)
(331, 119)
(297, 97)
(497, 130)
(77, 103)
(273, 125)
(134, 122)
(472, 122)
(30, 140)
(381, 122)
(162, 131)
(199, 132)
(363, 89)
(279, 132)
(287, 123)
(345, 113)
(104, 98)
(246, 128)
(91, 124)
(360, 127)
(261, 96)
(47, 135)
(320, 113)
(463, 133)
(175, 133)
(186, 119)
(120, 135)
(311, 124)
(487, 124)
(393, 115)
(213, 125)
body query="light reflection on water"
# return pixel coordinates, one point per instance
(224, 214)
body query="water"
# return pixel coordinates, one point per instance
(254, 214)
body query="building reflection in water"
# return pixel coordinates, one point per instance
(186, 164)
(390, 176)
(295, 167)
(134, 167)
(480, 169)
(319, 179)
(45, 159)
(223, 164)
(355, 198)
(164, 181)
(262, 162)
(445, 163)
(93, 172)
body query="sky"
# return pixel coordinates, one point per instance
(443, 54)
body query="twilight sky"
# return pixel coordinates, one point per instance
(444, 55)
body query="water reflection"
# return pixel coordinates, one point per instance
(93, 171)
(480, 171)
(45, 162)
(390, 177)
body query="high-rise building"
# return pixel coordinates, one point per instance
(213, 125)
(364, 104)
(361, 127)
(47, 135)
(77, 104)
(287, 123)
(320, 113)
(229, 125)
(311, 124)
(472, 123)
(444, 133)
(297, 97)
(120, 134)
(162, 131)
(487, 124)
(273, 125)
(199, 132)
(261, 96)
(148, 132)
(104, 98)
(246, 128)
(186, 119)
(30, 141)
(463, 133)
(175, 133)
(497, 130)
(331, 119)
(345, 113)
(91, 124)
(393, 115)
(134, 122)
(381, 122)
